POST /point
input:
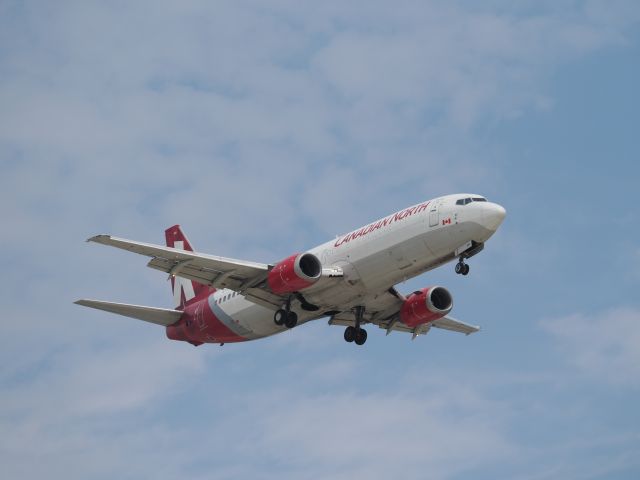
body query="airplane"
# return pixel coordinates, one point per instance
(350, 279)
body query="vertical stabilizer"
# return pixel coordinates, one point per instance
(184, 291)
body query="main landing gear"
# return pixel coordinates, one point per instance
(461, 267)
(285, 316)
(356, 334)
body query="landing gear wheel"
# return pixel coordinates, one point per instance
(462, 268)
(279, 317)
(361, 336)
(349, 334)
(292, 320)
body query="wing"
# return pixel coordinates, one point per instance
(218, 272)
(248, 278)
(159, 316)
(384, 311)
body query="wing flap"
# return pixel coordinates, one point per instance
(159, 316)
(263, 297)
(342, 321)
(206, 276)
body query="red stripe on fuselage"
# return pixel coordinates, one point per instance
(199, 325)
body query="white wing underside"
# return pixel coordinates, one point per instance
(218, 272)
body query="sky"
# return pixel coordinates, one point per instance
(266, 128)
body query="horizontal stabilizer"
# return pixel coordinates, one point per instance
(159, 316)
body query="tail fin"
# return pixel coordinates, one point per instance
(184, 291)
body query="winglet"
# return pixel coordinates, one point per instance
(476, 330)
(103, 238)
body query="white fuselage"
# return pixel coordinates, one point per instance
(374, 258)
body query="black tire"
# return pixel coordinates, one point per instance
(361, 336)
(465, 271)
(279, 316)
(349, 334)
(459, 268)
(292, 320)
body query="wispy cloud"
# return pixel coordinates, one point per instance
(601, 344)
(188, 109)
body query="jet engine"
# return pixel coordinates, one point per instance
(425, 306)
(294, 273)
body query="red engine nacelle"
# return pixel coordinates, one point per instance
(295, 273)
(425, 306)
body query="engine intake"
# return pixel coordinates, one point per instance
(425, 306)
(295, 273)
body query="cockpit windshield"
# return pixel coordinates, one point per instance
(465, 201)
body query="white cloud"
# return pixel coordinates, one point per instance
(353, 435)
(108, 408)
(99, 380)
(164, 113)
(602, 344)
(93, 404)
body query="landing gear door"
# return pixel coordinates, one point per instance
(434, 215)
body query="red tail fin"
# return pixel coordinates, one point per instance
(184, 291)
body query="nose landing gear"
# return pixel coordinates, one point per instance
(461, 267)
(465, 251)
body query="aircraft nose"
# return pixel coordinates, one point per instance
(493, 215)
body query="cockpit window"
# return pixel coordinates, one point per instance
(465, 201)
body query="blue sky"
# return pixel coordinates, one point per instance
(265, 129)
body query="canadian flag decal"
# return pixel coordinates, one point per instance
(446, 221)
